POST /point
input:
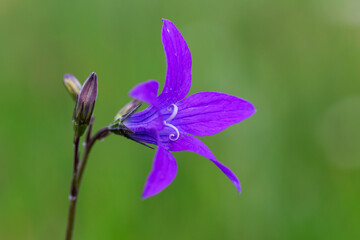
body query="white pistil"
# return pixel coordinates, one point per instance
(174, 113)
(172, 136)
(175, 109)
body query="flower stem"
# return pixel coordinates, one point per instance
(79, 170)
(98, 136)
(71, 219)
(73, 191)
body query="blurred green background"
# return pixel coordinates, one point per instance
(298, 157)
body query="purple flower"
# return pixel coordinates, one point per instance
(172, 119)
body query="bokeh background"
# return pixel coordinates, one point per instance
(298, 157)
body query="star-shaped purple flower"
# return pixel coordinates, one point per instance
(172, 119)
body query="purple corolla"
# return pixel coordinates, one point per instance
(172, 119)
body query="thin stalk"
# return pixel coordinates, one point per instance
(78, 172)
(71, 219)
(73, 191)
(99, 135)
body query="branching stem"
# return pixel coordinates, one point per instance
(78, 172)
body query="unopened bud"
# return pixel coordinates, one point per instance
(118, 126)
(127, 110)
(85, 103)
(72, 85)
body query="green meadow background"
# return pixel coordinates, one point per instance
(298, 157)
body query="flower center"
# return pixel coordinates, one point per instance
(174, 109)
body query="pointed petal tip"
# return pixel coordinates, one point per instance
(146, 195)
(148, 192)
(250, 108)
(169, 27)
(238, 187)
(233, 178)
(253, 109)
(165, 20)
(162, 173)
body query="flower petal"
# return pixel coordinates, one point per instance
(150, 117)
(162, 174)
(192, 144)
(146, 92)
(144, 134)
(207, 113)
(178, 59)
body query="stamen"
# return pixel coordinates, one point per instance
(175, 109)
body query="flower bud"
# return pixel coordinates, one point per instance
(72, 85)
(85, 103)
(127, 110)
(118, 126)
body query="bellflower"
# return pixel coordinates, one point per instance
(172, 119)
